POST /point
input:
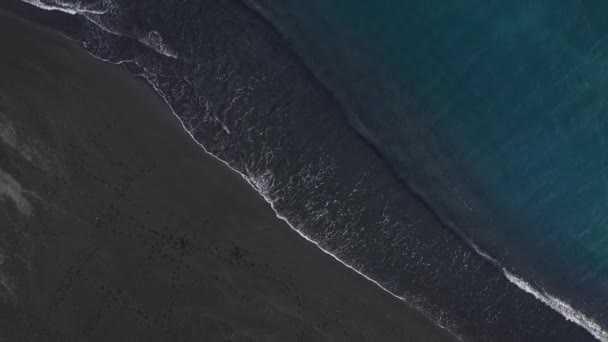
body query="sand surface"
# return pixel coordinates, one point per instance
(116, 226)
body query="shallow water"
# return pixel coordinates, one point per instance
(476, 122)
(505, 103)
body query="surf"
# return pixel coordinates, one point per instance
(263, 183)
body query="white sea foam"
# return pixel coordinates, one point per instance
(261, 186)
(71, 8)
(152, 39)
(565, 309)
(560, 306)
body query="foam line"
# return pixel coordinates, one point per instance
(63, 8)
(562, 307)
(559, 305)
(252, 182)
(152, 40)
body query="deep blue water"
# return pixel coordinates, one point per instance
(453, 151)
(506, 104)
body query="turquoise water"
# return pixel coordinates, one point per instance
(495, 112)
(490, 114)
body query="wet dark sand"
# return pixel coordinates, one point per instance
(116, 226)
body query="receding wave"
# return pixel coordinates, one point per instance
(67, 7)
(560, 306)
(93, 13)
(291, 151)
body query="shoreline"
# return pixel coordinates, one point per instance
(278, 215)
(267, 199)
(555, 303)
(102, 225)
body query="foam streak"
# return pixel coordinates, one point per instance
(560, 306)
(64, 8)
(563, 308)
(152, 39)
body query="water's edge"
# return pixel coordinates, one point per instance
(255, 185)
(562, 307)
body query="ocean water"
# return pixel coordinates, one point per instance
(506, 105)
(451, 151)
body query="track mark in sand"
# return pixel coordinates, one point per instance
(11, 189)
(6, 285)
(10, 137)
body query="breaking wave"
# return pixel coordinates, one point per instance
(94, 13)
(282, 192)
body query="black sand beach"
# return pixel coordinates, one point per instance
(116, 226)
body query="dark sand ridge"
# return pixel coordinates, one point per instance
(116, 226)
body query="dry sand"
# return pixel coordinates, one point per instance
(116, 226)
